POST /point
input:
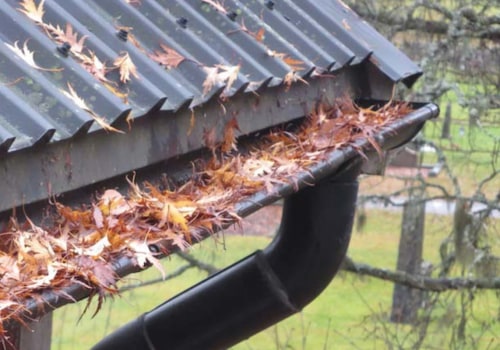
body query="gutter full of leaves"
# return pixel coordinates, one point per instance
(83, 252)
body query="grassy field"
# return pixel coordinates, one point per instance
(350, 314)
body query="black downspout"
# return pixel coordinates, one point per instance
(263, 288)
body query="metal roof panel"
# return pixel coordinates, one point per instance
(264, 41)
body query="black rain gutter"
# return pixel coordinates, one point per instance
(270, 285)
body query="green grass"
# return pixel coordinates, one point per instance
(349, 314)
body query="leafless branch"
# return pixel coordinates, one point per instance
(421, 282)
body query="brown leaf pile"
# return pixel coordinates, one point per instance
(80, 244)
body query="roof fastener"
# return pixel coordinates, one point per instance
(232, 15)
(123, 34)
(153, 248)
(270, 5)
(182, 22)
(64, 49)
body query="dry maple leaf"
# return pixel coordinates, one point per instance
(259, 36)
(167, 57)
(34, 12)
(143, 256)
(179, 241)
(67, 36)
(216, 5)
(28, 56)
(73, 96)
(95, 66)
(220, 74)
(126, 67)
(292, 77)
(293, 63)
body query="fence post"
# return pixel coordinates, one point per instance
(37, 336)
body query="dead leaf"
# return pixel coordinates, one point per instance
(96, 249)
(143, 256)
(126, 67)
(229, 141)
(34, 12)
(220, 74)
(296, 65)
(292, 77)
(259, 36)
(346, 24)
(95, 66)
(73, 96)
(28, 56)
(67, 36)
(167, 57)
(216, 5)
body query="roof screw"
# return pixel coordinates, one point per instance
(232, 15)
(153, 248)
(182, 22)
(270, 5)
(64, 49)
(123, 34)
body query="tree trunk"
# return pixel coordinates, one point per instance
(445, 131)
(406, 301)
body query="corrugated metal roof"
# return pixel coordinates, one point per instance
(266, 39)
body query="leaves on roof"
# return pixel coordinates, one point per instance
(87, 58)
(69, 36)
(28, 56)
(216, 5)
(126, 67)
(292, 77)
(34, 12)
(73, 96)
(216, 75)
(219, 75)
(167, 57)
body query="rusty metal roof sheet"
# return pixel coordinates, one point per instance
(266, 39)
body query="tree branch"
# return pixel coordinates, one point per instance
(418, 281)
(486, 29)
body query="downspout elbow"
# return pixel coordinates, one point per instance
(313, 238)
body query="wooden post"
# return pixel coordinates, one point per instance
(37, 336)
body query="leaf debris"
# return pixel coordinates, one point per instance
(73, 96)
(80, 245)
(28, 56)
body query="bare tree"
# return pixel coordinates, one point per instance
(457, 43)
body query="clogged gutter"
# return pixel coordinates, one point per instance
(80, 245)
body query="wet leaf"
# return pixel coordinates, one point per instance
(126, 67)
(229, 141)
(73, 96)
(216, 5)
(33, 11)
(67, 36)
(167, 57)
(28, 56)
(219, 75)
